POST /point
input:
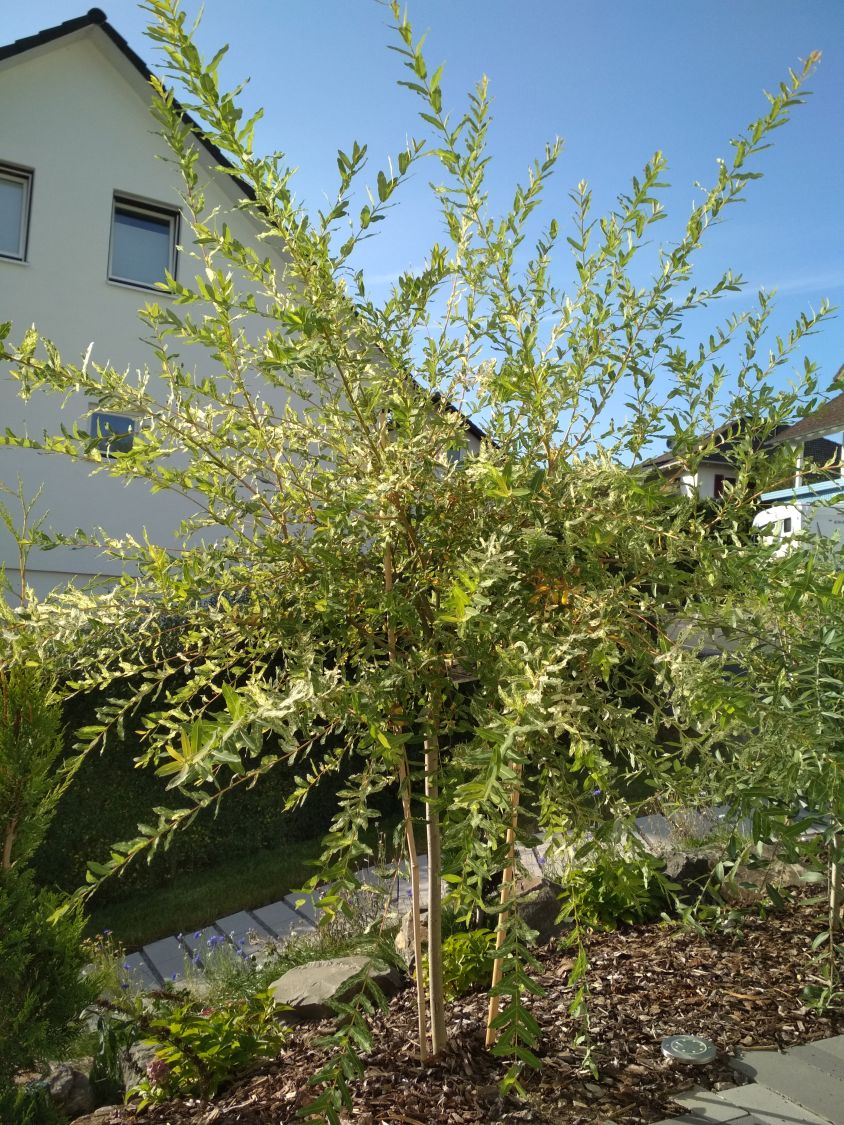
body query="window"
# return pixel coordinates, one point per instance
(15, 193)
(143, 242)
(720, 481)
(115, 431)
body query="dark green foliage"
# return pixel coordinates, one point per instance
(110, 796)
(467, 962)
(30, 744)
(199, 1049)
(42, 990)
(27, 1105)
(611, 888)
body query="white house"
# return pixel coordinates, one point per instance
(89, 221)
(814, 502)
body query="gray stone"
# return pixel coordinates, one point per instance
(309, 989)
(133, 1063)
(168, 956)
(797, 1080)
(705, 1106)
(70, 1091)
(404, 938)
(689, 870)
(105, 1115)
(768, 1107)
(281, 920)
(538, 904)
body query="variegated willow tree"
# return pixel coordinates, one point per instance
(482, 634)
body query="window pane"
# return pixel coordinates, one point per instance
(108, 426)
(140, 246)
(12, 197)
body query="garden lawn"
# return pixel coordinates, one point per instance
(201, 896)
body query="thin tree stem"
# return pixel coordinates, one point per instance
(436, 994)
(415, 907)
(836, 887)
(412, 857)
(507, 881)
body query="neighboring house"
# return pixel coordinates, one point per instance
(716, 469)
(814, 501)
(89, 221)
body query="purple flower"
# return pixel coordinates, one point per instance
(215, 940)
(596, 792)
(127, 966)
(124, 985)
(198, 934)
(540, 860)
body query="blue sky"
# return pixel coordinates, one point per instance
(615, 80)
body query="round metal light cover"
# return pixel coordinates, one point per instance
(689, 1049)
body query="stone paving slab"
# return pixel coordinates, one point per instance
(833, 1047)
(706, 1106)
(814, 1055)
(796, 1079)
(168, 956)
(197, 940)
(239, 926)
(281, 919)
(139, 972)
(768, 1107)
(304, 904)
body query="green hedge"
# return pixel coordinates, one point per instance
(109, 796)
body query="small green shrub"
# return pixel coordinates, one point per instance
(42, 987)
(197, 1050)
(612, 888)
(27, 1105)
(467, 962)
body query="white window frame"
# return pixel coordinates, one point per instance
(21, 176)
(146, 209)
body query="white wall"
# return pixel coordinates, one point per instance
(76, 112)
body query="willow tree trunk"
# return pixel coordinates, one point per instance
(836, 885)
(436, 993)
(410, 841)
(507, 881)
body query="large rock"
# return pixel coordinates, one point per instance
(538, 904)
(690, 870)
(404, 938)
(310, 989)
(105, 1115)
(70, 1092)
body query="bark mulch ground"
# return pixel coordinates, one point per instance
(741, 988)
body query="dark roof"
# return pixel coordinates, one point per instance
(96, 17)
(828, 418)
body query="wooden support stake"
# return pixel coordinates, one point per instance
(507, 880)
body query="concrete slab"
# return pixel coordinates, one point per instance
(281, 919)
(768, 1107)
(239, 926)
(833, 1047)
(138, 972)
(813, 1055)
(197, 942)
(707, 1106)
(168, 956)
(797, 1080)
(304, 905)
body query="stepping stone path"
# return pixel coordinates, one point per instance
(801, 1086)
(247, 931)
